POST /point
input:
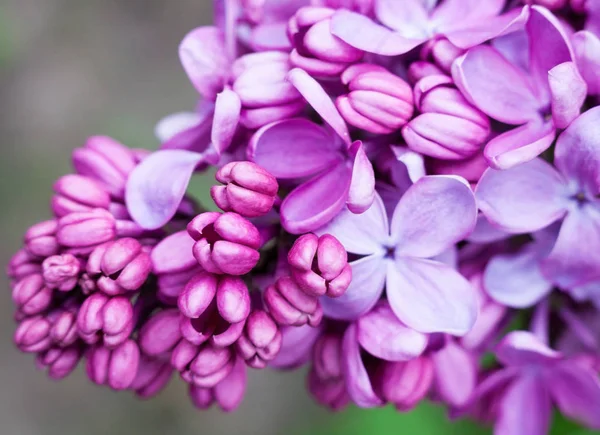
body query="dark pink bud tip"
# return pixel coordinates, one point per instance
(261, 340)
(61, 272)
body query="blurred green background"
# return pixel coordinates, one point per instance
(69, 69)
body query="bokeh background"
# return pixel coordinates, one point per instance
(72, 68)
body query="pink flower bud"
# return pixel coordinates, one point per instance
(203, 366)
(40, 239)
(76, 193)
(261, 340)
(31, 296)
(379, 101)
(289, 305)
(152, 377)
(225, 243)
(105, 319)
(449, 127)
(160, 334)
(60, 362)
(420, 69)
(21, 265)
(61, 272)
(249, 189)
(319, 265)
(441, 52)
(415, 377)
(326, 380)
(86, 229)
(316, 49)
(115, 367)
(227, 394)
(33, 335)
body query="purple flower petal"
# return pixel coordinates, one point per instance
(576, 392)
(522, 199)
(568, 91)
(525, 408)
(315, 202)
(204, 57)
(514, 47)
(270, 36)
(496, 87)
(362, 186)
(363, 234)
(577, 152)
(515, 280)
(586, 47)
(458, 14)
(409, 17)
(520, 145)
(356, 376)
(316, 96)
(296, 347)
(361, 32)
(226, 119)
(486, 232)
(368, 278)
(382, 335)
(157, 185)
(455, 374)
(434, 214)
(575, 259)
(522, 348)
(293, 148)
(429, 296)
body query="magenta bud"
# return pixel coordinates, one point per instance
(448, 127)
(61, 272)
(86, 229)
(115, 367)
(22, 265)
(328, 392)
(107, 161)
(326, 379)
(225, 243)
(249, 190)
(378, 101)
(319, 265)
(104, 318)
(173, 254)
(204, 366)
(60, 362)
(76, 193)
(160, 334)
(316, 49)
(33, 335)
(415, 377)
(64, 328)
(152, 377)
(420, 69)
(261, 341)
(198, 294)
(31, 296)
(41, 240)
(290, 305)
(211, 326)
(227, 394)
(442, 52)
(233, 299)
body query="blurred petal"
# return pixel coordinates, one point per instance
(293, 148)
(226, 119)
(522, 348)
(455, 374)
(356, 376)
(317, 201)
(496, 87)
(319, 100)
(520, 144)
(362, 234)
(586, 46)
(296, 347)
(429, 296)
(576, 392)
(361, 32)
(459, 13)
(362, 186)
(522, 199)
(185, 130)
(486, 232)
(568, 90)
(270, 36)
(229, 393)
(157, 185)
(408, 17)
(368, 279)
(434, 214)
(382, 335)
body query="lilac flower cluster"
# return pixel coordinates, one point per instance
(409, 206)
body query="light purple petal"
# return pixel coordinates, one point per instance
(382, 335)
(520, 144)
(187, 130)
(522, 199)
(408, 17)
(496, 87)
(452, 14)
(356, 376)
(226, 119)
(455, 374)
(525, 408)
(575, 259)
(522, 348)
(293, 148)
(316, 96)
(362, 186)
(270, 36)
(204, 57)
(586, 47)
(317, 201)
(157, 185)
(514, 47)
(368, 278)
(434, 213)
(568, 91)
(576, 392)
(577, 152)
(429, 296)
(362, 234)
(296, 347)
(361, 32)
(515, 279)
(172, 125)
(486, 232)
